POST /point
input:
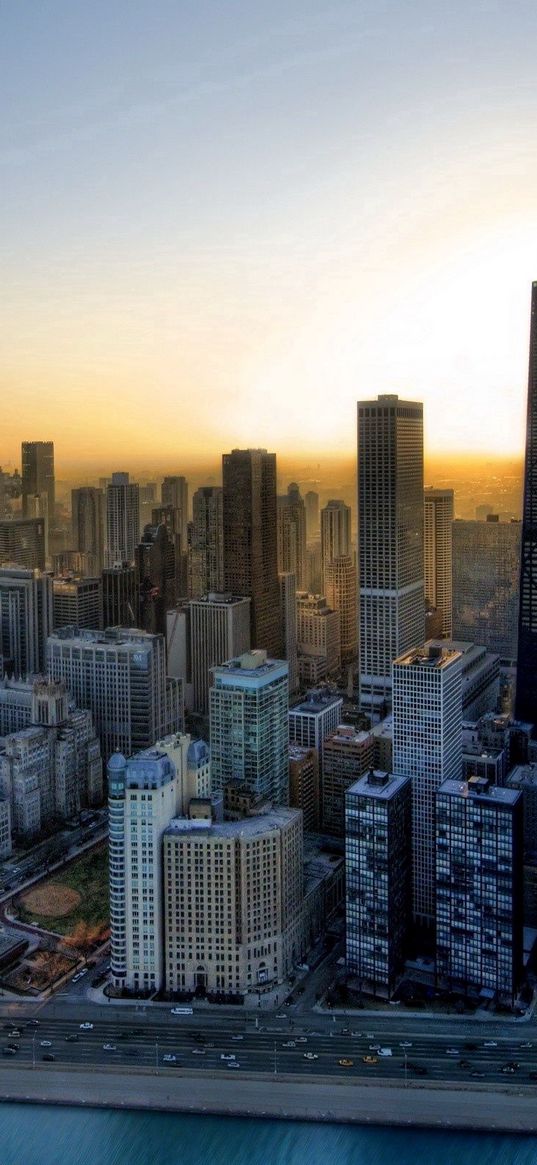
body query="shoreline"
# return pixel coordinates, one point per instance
(286, 1097)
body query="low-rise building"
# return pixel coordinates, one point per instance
(347, 754)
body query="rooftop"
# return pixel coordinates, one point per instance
(479, 789)
(346, 734)
(431, 655)
(316, 701)
(247, 827)
(375, 783)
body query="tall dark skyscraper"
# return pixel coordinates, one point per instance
(37, 470)
(526, 688)
(250, 541)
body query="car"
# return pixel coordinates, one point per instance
(301, 1039)
(198, 1052)
(352, 1033)
(452, 1051)
(490, 1044)
(83, 972)
(418, 1069)
(49, 1057)
(477, 1075)
(302, 967)
(8, 1052)
(234, 1064)
(237, 1037)
(86, 1027)
(385, 1052)
(33, 1023)
(310, 1056)
(370, 1059)
(345, 1063)
(526, 1044)
(508, 1068)
(182, 1011)
(46, 1043)
(16, 1031)
(345, 1031)
(289, 1044)
(14, 1047)
(209, 1045)
(169, 1059)
(374, 1047)
(109, 1048)
(72, 1038)
(405, 1044)
(227, 1056)
(281, 1015)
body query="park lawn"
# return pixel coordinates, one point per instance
(88, 875)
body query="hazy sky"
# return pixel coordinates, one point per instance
(223, 223)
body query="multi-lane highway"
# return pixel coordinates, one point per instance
(313, 1046)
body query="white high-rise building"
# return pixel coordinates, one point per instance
(122, 519)
(248, 725)
(121, 676)
(219, 630)
(311, 721)
(26, 619)
(145, 793)
(427, 747)
(390, 541)
(438, 514)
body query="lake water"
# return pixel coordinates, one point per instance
(41, 1135)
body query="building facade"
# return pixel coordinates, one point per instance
(341, 596)
(479, 887)
(288, 616)
(120, 599)
(438, 514)
(37, 468)
(427, 747)
(526, 689)
(248, 704)
(219, 630)
(26, 619)
(78, 601)
(347, 755)
(88, 521)
(486, 564)
(250, 541)
(378, 871)
(207, 543)
(23, 542)
(335, 533)
(292, 535)
(122, 519)
(304, 787)
(318, 638)
(390, 541)
(313, 719)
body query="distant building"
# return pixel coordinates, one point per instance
(26, 619)
(390, 544)
(88, 521)
(479, 863)
(340, 590)
(174, 493)
(383, 743)
(486, 558)
(480, 676)
(78, 602)
(219, 630)
(120, 674)
(526, 686)
(311, 501)
(23, 543)
(292, 535)
(347, 755)
(438, 555)
(288, 615)
(378, 880)
(120, 600)
(335, 534)
(304, 791)
(251, 542)
(314, 718)
(318, 638)
(155, 578)
(207, 543)
(427, 720)
(122, 519)
(37, 460)
(251, 692)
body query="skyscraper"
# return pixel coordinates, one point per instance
(312, 515)
(249, 727)
(486, 572)
(335, 533)
(390, 541)
(155, 578)
(207, 549)
(119, 596)
(122, 519)
(292, 535)
(88, 525)
(219, 630)
(23, 542)
(37, 459)
(438, 554)
(526, 686)
(340, 592)
(289, 619)
(250, 541)
(78, 601)
(318, 638)
(427, 747)
(174, 492)
(26, 619)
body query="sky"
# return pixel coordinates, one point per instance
(221, 224)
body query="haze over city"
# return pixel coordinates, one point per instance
(222, 226)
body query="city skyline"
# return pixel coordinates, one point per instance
(155, 255)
